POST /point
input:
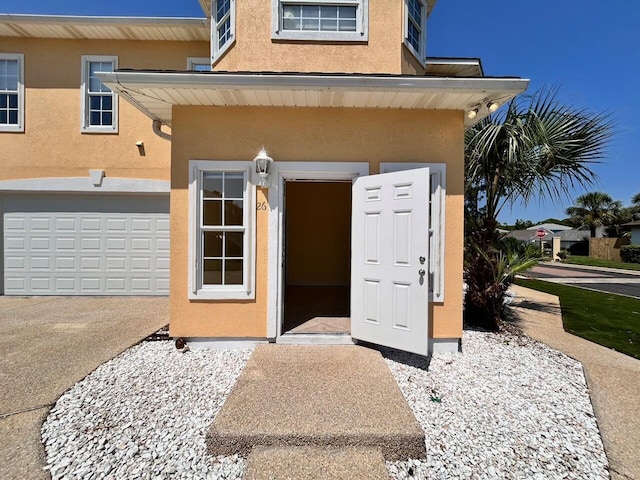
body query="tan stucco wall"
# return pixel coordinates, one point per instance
(254, 49)
(52, 144)
(318, 236)
(321, 135)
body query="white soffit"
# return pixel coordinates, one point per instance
(155, 93)
(105, 28)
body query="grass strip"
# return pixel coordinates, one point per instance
(609, 320)
(596, 262)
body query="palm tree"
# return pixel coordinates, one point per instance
(536, 147)
(593, 210)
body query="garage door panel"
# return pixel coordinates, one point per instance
(52, 250)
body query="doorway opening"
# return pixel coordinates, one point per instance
(317, 257)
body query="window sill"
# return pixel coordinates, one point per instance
(110, 130)
(203, 294)
(352, 37)
(12, 128)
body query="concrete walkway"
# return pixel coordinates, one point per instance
(48, 344)
(330, 410)
(613, 378)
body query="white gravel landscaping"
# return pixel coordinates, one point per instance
(508, 407)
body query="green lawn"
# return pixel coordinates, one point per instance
(610, 320)
(594, 262)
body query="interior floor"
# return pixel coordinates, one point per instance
(317, 309)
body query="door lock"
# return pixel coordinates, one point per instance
(422, 259)
(421, 272)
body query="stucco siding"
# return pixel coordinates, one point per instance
(320, 135)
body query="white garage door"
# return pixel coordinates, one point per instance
(86, 245)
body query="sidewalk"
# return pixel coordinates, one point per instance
(590, 267)
(613, 378)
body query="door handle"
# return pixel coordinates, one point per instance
(421, 272)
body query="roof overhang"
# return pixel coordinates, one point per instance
(104, 28)
(155, 93)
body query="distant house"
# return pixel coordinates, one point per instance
(635, 231)
(568, 236)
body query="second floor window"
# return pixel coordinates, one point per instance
(223, 29)
(320, 20)
(100, 104)
(11, 92)
(415, 24)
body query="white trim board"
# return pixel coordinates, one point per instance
(85, 184)
(282, 171)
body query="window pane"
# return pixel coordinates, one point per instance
(212, 213)
(329, 25)
(415, 10)
(347, 12)
(4, 67)
(233, 272)
(233, 185)
(12, 82)
(222, 7)
(291, 11)
(94, 118)
(310, 24)
(291, 24)
(213, 244)
(3, 100)
(94, 102)
(233, 212)
(310, 11)
(13, 101)
(212, 272)
(3, 117)
(94, 84)
(107, 118)
(13, 117)
(328, 12)
(347, 26)
(233, 244)
(224, 32)
(212, 187)
(3, 82)
(12, 67)
(107, 104)
(201, 67)
(414, 37)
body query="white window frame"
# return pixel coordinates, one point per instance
(362, 22)
(438, 182)
(86, 127)
(193, 62)
(18, 127)
(218, 51)
(421, 53)
(197, 291)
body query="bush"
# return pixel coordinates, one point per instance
(630, 253)
(563, 254)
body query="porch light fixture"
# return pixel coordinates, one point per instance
(263, 165)
(492, 106)
(471, 114)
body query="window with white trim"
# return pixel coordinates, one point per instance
(199, 64)
(415, 28)
(11, 92)
(223, 27)
(222, 237)
(320, 20)
(99, 103)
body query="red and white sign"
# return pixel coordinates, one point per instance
(541, 233)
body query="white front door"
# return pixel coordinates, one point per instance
(389, 260)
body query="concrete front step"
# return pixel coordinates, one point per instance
(316, 396)
(311, 463)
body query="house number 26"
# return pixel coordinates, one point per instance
(261, 206)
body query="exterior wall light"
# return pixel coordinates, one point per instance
(471, 114)
(263, 166)
(493, 106)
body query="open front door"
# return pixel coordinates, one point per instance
(389, 260)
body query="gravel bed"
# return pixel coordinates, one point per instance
(145, 415)
(507, 407)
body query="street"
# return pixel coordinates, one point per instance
(592, 278)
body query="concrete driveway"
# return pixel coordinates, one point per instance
(50, 343)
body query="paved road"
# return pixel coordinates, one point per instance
(593, 278)
(48, 344)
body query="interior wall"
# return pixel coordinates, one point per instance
(318, 237)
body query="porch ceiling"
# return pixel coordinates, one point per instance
(155, 93)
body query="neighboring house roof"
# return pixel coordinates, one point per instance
(565, 235)
(635, 223)
(554, 227)
(156, 92)
(104, 28)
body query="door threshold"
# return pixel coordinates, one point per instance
(315, 339)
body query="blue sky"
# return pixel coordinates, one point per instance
(588, 49)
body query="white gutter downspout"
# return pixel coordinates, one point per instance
(157, 125)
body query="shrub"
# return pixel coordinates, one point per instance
(630, 253)
(563, 254)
